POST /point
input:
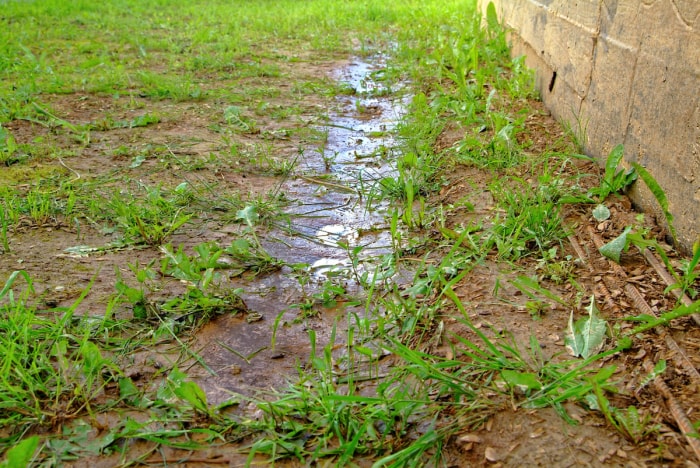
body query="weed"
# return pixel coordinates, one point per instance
(628, 421)
(40, 206)
(81, 133)
(558, 271)
(52, 370)
(3, 230)
(414, 179)
(318, 417)
(658, 193)
(8, 148)
(137, 297)
(687, 280)
(204, 298)
(586, 337)
(233, 117)
(158, 87)
(22, 453)
(152, 220)
(531, 221)
(649, 322)
(577, 133)
(250, 256)
(613, 180)
(497, 152)
(261, 157)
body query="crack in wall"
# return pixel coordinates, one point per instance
(595, 36)
(684, 13)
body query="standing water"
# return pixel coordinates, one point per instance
(328, 218)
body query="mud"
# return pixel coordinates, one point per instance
(327, 217)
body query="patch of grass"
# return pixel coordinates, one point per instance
(263, 158)
(151, 220)
(8, 148)
(320, 417)
(163, 87)
(531, 222)
(52, 369)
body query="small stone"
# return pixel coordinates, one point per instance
(253, 317)
(493, 455)
(470, 438)
(621, 453)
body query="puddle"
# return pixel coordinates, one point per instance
(327, 210)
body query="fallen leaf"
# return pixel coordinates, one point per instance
(493, 455)
(601, 213)
(585, 337)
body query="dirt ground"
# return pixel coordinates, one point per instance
(185, 139)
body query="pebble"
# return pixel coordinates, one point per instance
(470, 438)
(493, 455)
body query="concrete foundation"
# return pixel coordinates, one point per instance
(622, 71)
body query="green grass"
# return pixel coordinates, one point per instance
(250, 85)
(53, 370)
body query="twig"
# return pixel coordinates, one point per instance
(668, 279)
(642, 306)
(677, 411)
(604, 291)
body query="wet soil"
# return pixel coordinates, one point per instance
(323, 207)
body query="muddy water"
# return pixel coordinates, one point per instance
(327, 209)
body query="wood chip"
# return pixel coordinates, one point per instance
(469, 438)
(494, 455)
